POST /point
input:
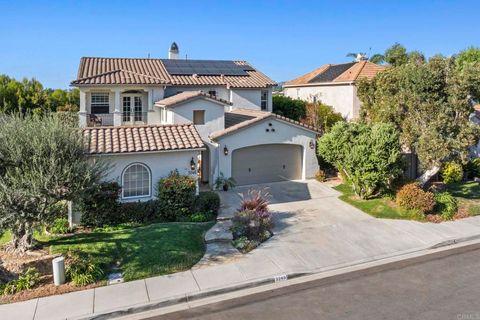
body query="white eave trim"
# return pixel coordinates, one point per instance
(320, 84)
(142, 152)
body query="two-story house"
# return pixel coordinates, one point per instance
(201, 117)
(334, 85)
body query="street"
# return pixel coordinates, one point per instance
(445, 287)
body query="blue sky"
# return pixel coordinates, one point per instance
(284, 39)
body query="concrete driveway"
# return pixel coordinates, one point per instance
(316, 231)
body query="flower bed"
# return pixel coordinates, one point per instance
(252, 223)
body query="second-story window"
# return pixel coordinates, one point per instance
(198, 116)
(264, 100)
(213, 93)
(99, 103)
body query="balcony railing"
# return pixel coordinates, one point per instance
(134, 118)
(99, 119)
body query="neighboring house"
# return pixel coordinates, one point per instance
(334, 85)
(201, 117)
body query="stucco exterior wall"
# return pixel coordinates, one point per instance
(160, 165)
(250, 98)
(214, 115)
(343, 98)
(256, 135)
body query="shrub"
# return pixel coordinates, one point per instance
(256, 200)
(472, 168)
(202, 217)
(59, 226)
(207, 202)
(291, 108)
(99, 206)
(446, 205)
(368, 154)
(412, 196)
(25, 281)
(452, 172)
(320, 176)
(176, 193)
(245, 245)
(224, 183)
(252, 224)
(81, 270)
(139, 212)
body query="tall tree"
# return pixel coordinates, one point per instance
(291, 108)
(29, 97)
(369, 155)
(396, 55)
(321, 116)
(43, 162)
(430, 105)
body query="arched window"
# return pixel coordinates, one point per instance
(136, 181)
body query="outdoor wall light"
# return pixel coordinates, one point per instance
(225, 150)
(192, 164)
(312, 144)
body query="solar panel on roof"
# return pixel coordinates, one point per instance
(205, 67)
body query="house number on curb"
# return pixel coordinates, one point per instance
(280, 278)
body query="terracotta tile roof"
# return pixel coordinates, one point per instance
(344, 72)
(255, 116)
(189, 95)
(97, 71)
(120, 76)
(150, 138)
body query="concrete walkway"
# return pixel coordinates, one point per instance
(314, 232)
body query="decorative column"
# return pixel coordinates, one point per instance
(82, 114)
(117, 113)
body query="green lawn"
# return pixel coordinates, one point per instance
(379, 207)
(468, 195)
(140, 252)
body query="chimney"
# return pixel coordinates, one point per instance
(173, 53)
(361, 57)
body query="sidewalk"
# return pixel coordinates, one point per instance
(312, 235)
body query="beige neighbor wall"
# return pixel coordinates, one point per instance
(343, 98)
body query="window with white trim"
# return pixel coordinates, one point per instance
(198, 116)
(136, 181)
(264, 100)
(99, 102)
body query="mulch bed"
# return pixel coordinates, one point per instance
(45, 288)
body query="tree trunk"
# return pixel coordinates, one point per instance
(22, 238)
(427, 175)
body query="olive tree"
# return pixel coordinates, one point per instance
(369, 155)
(43, 162)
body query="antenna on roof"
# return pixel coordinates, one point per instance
(186, 56)
(148, 55)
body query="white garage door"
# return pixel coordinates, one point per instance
(267, 163)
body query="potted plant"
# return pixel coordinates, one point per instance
(224, 183)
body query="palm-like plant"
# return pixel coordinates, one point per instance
(224, 183)
(358, 56)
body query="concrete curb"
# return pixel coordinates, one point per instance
(274, 282)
